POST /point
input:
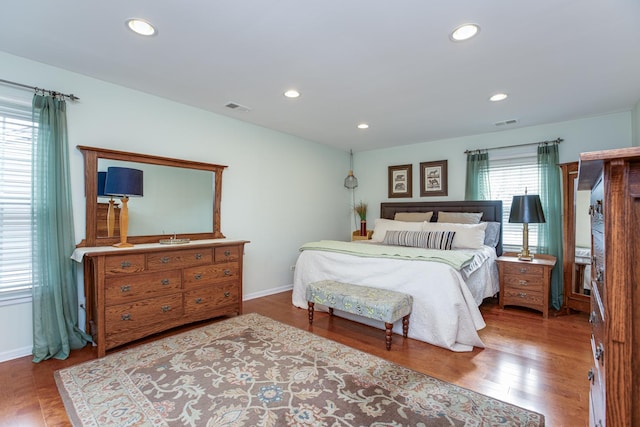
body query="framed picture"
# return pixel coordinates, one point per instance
(400, 181)
(433, 178)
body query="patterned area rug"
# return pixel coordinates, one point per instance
(253, 371)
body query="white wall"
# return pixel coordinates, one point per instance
(589, 134)
(279, 191)
(636, 124)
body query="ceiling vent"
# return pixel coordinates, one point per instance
(506, 122)
(237, 107)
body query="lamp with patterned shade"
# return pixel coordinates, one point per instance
(123, 183)
(526, 210)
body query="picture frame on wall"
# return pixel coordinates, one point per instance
(400, 182)
(433, 178)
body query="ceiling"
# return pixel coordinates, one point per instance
(387, 63)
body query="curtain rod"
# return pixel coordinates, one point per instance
(555, 141)
(38, 89)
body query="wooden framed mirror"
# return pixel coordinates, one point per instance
(577, 243)
(181, 198)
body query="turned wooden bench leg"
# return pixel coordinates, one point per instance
(405, 326)
(311, 304)
(388, 334)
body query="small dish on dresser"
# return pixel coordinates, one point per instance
(173, 241)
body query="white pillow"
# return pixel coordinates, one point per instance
(468, 236)
(413, 216)
(383, 225)
(460, 217)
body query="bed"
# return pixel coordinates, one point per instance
(446, 299)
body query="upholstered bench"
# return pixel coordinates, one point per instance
(373, 303)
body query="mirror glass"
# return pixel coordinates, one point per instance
(582, 271)
(175, 200)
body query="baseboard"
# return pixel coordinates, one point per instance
(15, 353)
(268, 292)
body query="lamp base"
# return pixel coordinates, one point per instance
(525, 257)
(123, 245)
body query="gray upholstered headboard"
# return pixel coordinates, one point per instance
(491, 210)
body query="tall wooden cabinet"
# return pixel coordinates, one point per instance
(613, 176)
(133, 293)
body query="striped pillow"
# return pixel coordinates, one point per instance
(420, 239)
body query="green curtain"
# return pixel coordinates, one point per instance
(477, 182)
(550, 233)
(55, 295)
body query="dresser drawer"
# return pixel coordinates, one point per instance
(178, 259)
(126, 288)
(208, 274)
(212, 297)
(521, 268)
(123, 264)
(124, 318)
(525, 282)
(227, 253)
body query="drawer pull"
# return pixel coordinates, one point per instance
(126, 316)
(125, 264)
(592, 317)
(523, 282)
(198, 256)
(125, 288)
(227, 272)
(165, 308)
(227, 253)
(599, 275)
(227, 294)
(198, 300)
(164, 282)
(600, 353)
(522, 294)
(165, 259)
(524, 270)
(591, 376)
(197, 276)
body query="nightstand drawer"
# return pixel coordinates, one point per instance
(523, 268)
(531, 299)
(533, 283)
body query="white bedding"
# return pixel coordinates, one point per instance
(445, 308)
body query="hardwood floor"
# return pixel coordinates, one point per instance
(534, 363)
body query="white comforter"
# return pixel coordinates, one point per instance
(445, 311)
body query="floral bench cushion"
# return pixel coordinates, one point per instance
(374, 303)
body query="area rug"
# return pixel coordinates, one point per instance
(254, 371)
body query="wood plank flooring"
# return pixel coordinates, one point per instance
(528, 361)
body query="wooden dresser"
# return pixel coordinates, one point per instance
(132, 293)
(613, 176)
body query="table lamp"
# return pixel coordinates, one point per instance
(526, 210)
(123, 183)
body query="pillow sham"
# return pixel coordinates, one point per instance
(381, 226)
(420, 239)
(460, 217)
(413, 216)
(468, 236)
(492, 234)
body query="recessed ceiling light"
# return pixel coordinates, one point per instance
(363, 126)
(464, 32)
(292, 93)
(498, 97)
(140, 26)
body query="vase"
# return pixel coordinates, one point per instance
(363, 227)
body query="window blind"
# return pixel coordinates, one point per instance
(510, 177)
(16, 134)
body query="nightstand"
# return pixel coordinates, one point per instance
(356, 235)
(526, 283)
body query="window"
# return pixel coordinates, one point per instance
(16, 133)
(510, 176)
